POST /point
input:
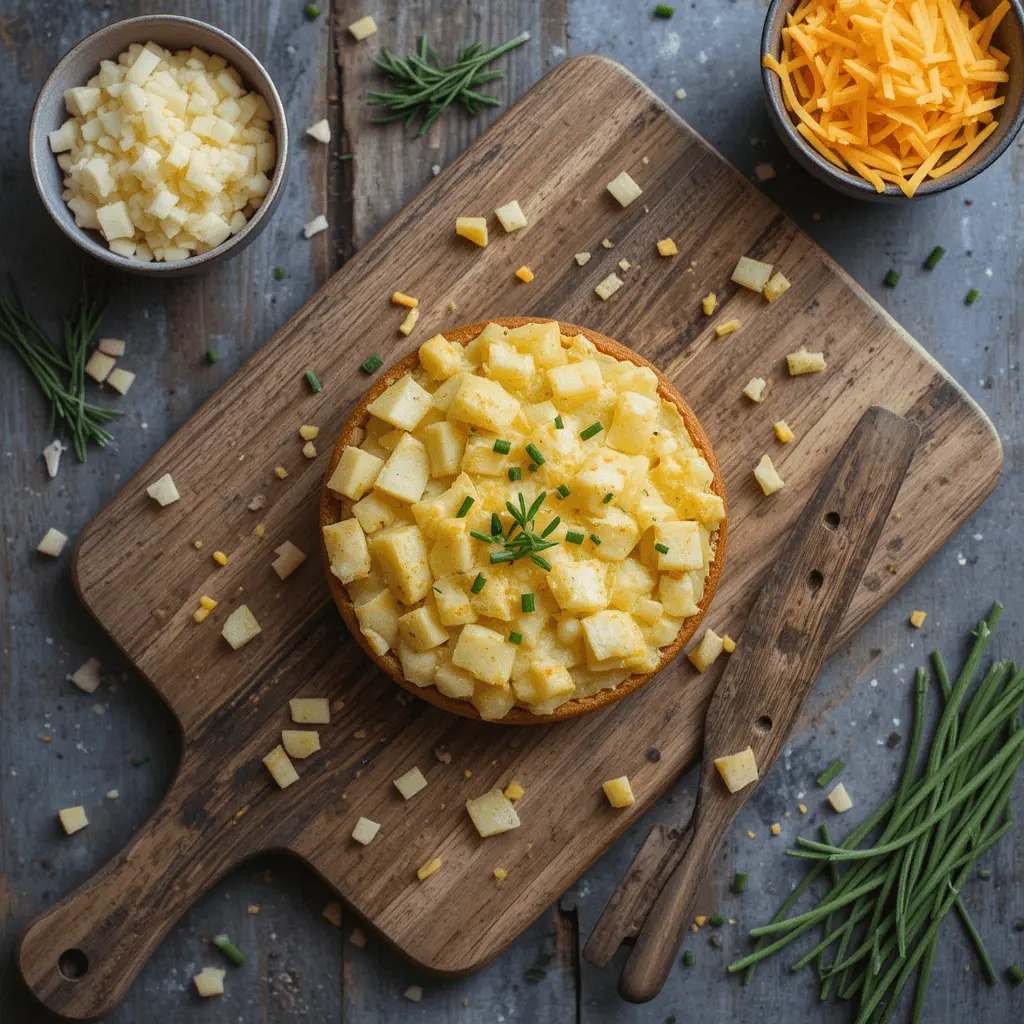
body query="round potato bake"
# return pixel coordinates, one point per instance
(523, 521)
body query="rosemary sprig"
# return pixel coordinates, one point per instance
(423, 87)
(525, 543)
(60, 375)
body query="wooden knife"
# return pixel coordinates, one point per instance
(756, 704)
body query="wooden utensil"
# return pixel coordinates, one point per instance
(784, 643)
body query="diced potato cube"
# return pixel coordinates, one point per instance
(492, 813)
(492, 703)
(355, 473)
(363, 28)
(300, 743)
(346, 548)
(114, 221)
(99, 366)
(64, 138)
(321, 131)
(310, 710)
(783, 432)
(315, 226)
(163, 491)
(737, 770)
(776, 285)
(707, 651)
(728, 644)
(607, 287)
(365, 831)
(473, 228)
(402, 405)
(582, 258)
(754, 389)
(752, 274)
(411, 783)
(767, 476)
(540, 413)
(414, 992)
(145, 64)
(452, 551)
(421, 629)
(120, 380)
(611, 634)
(377, 643)
(542, 340)
(406, 472)
(575, 383)
(52, 543)
(840, 799)
(579, 586)
(403, 557)
(485, 654)
(374, 511)
(709, 303)
(647, 610)
(917, 619)
(406, 326)
(619, 792)
(240, 627)
(289, 558)
(676, 595)
(280, 767)
(633, 422)
(483, 403)
(667, 247)
(684, 546)
(87, 676)
(618, 533)
(440, 358)
(445, 394)
(624, 188)
(445, 445)
(802, 361)
(72, 819)
(452, 600)
(379, 615)
(511, 216)
(209, 982)
(453, 683)
(546, 680)
(727, 327)
(511, 368)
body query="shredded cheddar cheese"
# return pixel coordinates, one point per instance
(895, 90)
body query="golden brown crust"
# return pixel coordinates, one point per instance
(330, 513)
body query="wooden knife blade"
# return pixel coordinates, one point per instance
(784, 642)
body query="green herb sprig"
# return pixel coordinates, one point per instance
(527, 543)
(425, 88)
(60, 375)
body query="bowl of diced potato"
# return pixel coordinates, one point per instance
(158, 144)
(523, 521)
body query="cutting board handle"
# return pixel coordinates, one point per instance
(81, 957)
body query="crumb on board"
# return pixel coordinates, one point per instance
(333, 913)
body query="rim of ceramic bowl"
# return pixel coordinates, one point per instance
(39, 148)
(777, 10)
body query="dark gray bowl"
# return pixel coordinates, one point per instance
(1009, 37)
(81, 63)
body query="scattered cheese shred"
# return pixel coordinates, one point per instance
(889, 88)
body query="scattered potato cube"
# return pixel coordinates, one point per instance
(511, 216)
(624, 188)
(111, 347)
(308, 432)
(99, 366)
(315, 226)
(783, 432)
(802, 361)
(72, 819)
(401, 299)
(414, 993)
(209, 982)
(704, 654)
(52, 543)
(728, 644)
(752, 274)
(280, 767)
(363, 28)
(163, 491)
(607, 243)
(289, 558)
(608, 287)
(356, 471)
(525, 274)
(492, 813)
(667, 247)
(619, 792)
(709, 303)
(280, 472)
(365, 831)
(321, 131)
(624, 265)
(840, 799)
(240, 627)
(406, 326)
(917, 619)
(582, 258)
(120, 380)
(310, 710)
(309, 450)
(473, 228)
(767, 476)
(300, 743)
(411, 783)
(737, 770)
(754, 389)
(727, 327)
(514, 791)
(777, 285)
(776, 829)
(422, 874)
(500, 874)
(87, 676)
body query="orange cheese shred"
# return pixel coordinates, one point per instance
(888, 88)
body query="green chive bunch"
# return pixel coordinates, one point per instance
(884, 912)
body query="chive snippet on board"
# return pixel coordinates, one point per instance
(594, 428)
(502, 447)
(933, 258)
(478, 583)
(313, 381)
(515, 638)
(280, 273)
(467, 504)
(689, 959)
(515, 473)
(528, 603)
(716, 920)
(972, 297)
(829, 774)
(212, 355)
(739, 882)
(1014, 974)
(312, 11)
(229, 949)
(891, 279)
(371, 365)
(664, 11)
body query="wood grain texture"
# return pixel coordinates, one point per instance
(713, 217)
(330, 512)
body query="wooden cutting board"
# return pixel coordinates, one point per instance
(139, 573)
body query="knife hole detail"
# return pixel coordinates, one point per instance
(831, 520)
(815, 580)
(763, 724)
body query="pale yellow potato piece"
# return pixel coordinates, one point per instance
(619, 792)
(737, 770)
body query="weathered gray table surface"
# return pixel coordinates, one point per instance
(59, 746)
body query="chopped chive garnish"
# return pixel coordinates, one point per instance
(515, 638)
(314, 384)
(574, 538)
(689, 959)
(972, 297)
(664, 11)
(280, 273)
(515, 473)
(480, 536)
(552, 526)
(594, 428)
(563, 491)
(502, 447)
(312, 11)
(607, 498)
(558, 423)
(594, 539)
(716, 920)
(467, 504)
(662, 548)
(372, 365)
(212, 355)
(542, 562)
(933, 257)
(502, 556)
(739, 882)
(534, 452)
(478, 583)
(495, 525)
(891, 279)
(1015, 974)
(984, 874)
(229, 949)
(528, 603)
(345, 156)
(534, 467)
(829, 774)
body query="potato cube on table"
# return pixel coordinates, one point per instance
(492, 813)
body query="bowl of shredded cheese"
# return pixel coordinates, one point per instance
(892, 99)
(158, 144)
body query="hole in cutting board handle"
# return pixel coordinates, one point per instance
(763, 724)
(815, 580)
(832, 520)
(73, 965)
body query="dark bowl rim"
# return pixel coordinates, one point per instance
(39, 149)
(777, 9)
